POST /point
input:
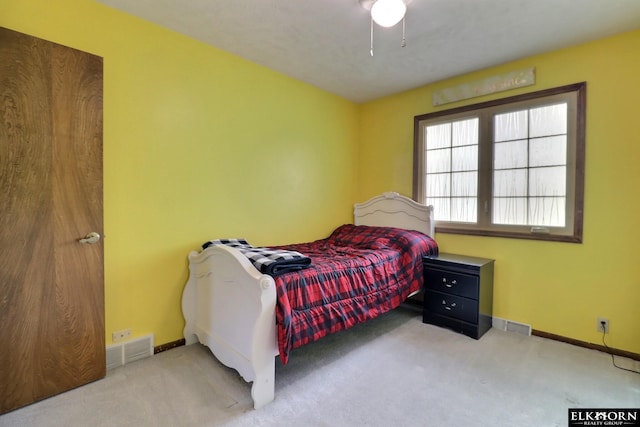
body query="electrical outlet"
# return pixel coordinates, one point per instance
(603, 325)
(122, 335)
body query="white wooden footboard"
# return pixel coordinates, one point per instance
(229, 306)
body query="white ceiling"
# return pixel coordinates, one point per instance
(326, 42)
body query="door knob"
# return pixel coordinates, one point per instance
(90, 238)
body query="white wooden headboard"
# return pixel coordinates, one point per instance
(395, 210)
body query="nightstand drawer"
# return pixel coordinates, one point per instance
(452, 283)
(451, 305)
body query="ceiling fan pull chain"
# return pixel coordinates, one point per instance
(371, 50)
(404, 34)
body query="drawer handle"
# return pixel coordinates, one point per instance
(447, 284)
(446, 307)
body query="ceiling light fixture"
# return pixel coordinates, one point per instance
(386, 13)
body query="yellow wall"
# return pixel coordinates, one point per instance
(198, 144)
(559, 288)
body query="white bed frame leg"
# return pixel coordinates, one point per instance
(263, 389)
(265, 346)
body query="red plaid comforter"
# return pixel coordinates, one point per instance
(356, 274)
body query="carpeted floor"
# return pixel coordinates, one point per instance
(392, 371)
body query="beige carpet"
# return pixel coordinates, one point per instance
(393, 371)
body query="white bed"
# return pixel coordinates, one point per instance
(229, 306)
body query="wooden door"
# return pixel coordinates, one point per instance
(52, 336)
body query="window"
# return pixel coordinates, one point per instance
(512, 167)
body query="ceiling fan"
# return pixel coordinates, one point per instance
(386, 13)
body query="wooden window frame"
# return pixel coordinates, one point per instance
(573, 231)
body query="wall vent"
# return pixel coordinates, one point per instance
(114, 356)
(511, 326)
(129, 351)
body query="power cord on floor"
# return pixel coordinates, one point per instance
(613, 360)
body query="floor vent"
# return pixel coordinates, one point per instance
(129, 351)
(511, 326)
